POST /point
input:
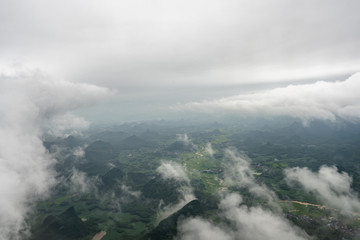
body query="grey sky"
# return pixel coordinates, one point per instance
(159, 53)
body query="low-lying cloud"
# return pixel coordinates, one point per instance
(209, 150)
(184, 138)
(238, 173)
(172, 170)
(246, 223)
(81, 183)
(31, 103)
(201, 229)
(238, 221)
(320, 100)
(328, 185)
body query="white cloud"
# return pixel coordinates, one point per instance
(200, 229)
(330, 186)
(29, 102)
(256, 223)
(239, 221)
(67, 124)
(187, 196)
(252, 223)
(320, 100)
(199, 48)
(186, 140)
(172, 170)
(183, 138)
(209, 150)
(167, 52)
(237, 172)
(79, 152)
(128, 192)
(80, 183)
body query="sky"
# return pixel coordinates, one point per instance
(154, 55)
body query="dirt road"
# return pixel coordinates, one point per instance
(99, 235)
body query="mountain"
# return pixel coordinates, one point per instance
(167, 228)
(112, 178)
(133, 142)
(64, 226)
(159, 189)
(97, 156)
(150, 136)
(178, 146)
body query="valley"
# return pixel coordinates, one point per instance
(136, 181)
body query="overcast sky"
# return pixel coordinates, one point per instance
(157, 54)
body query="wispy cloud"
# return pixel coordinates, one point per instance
(248, 223)
(172, 170)
(328, 185)
(238, 221)
(209, 150)
(238, 173)
(201, 229)
(186, 140)
(183, 138)
(80, 183)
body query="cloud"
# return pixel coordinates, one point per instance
(173, 170)
(184, 52)
(257, 223)
(80, 183)
(200, 229)
(128, 192)
(246, 223)
(103, 37)
(235, 220)
(186, 140)
(79, 152)
(237, 172)
(114, 201)
(209, 150)
(320, 100)
(187, 196)
(66, 125)
(30, 102)
(328, 185)
(183, 138)
(111, 201)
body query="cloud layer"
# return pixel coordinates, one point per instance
(320, 100)
(330, 186)
(238, 173)
(168, 52)
(30, 103)
(245, 223)
(182, 40)
(238, 220)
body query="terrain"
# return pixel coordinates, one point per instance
(144, 180)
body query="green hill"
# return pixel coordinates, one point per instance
(66, 225)
(167, 228)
